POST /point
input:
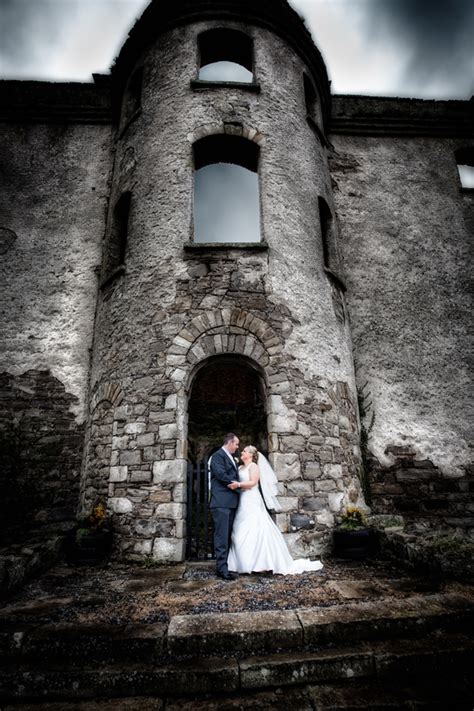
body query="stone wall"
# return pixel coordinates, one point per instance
(40, 451)
(404, 228)
(54, 175)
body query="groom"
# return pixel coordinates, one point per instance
(224, 501)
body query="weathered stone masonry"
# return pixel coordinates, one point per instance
(111, 309)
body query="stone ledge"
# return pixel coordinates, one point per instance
(210, 246)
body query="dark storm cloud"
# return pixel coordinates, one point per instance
(437, 35)
(27, 27)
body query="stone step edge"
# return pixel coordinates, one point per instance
(237, 633)
(404, 659)
(313, 627)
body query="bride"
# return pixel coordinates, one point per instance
(257, 543)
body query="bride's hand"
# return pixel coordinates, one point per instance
(233, 485)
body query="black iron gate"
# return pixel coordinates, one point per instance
(199, 543)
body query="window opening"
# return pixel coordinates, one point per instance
(226, 190)
(326, 221)
(225, 55)
(118, 234)
(133, 95)
(465, 162)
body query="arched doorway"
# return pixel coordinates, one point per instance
(227, 395)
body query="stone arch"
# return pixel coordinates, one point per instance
(222, 332)
(107, 392)
(228, 128)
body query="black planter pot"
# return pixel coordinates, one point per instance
(355, 544)
(89, 548)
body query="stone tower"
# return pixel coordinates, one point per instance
(200, 328)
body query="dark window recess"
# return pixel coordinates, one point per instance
(465, 162)
(327, 230)
(133, 96)
(226, 190)
(310, 97)
(225, 55)
(117, 242)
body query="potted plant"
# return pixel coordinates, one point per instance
(353, 538)
(91, 540)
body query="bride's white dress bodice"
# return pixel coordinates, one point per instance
(257, 543)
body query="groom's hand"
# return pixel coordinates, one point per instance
(233, 485)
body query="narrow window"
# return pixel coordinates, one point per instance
(327, 232)
(225, 55)
(133, 95)
(226, 193)
(465, 161)
(310, 97)
(117, 243)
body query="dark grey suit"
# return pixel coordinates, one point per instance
(223, 505)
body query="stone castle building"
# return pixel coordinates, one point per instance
(143, 316)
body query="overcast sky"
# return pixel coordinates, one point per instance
(387, 47)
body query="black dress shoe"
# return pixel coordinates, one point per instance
(227, 576)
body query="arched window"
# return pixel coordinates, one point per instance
(225, 55)
(226, 194)
(465, 161)
(133, 96)
(328, 237)
(117, 241)
(310, 97)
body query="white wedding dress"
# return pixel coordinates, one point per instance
(257, 543)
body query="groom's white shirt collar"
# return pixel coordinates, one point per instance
(230, 456)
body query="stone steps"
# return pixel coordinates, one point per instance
(445, 657)
(241, 653)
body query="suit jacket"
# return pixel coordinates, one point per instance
(223, 472)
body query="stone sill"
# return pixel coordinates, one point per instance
(200, 84)
(338, 281)
(118, 272)
(212, 246)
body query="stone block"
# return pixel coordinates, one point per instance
(222, 633)
(314, 503)
(335, 502)
(169, 550)
(312, 470)
(168, 431)
(120, 505)
(332, 470)
(171, 402)
(146, 527)
(143, 547)
(171, 510)
(179, 493)
(281, 520)
(135, 428)
(299, 488)
(294, 443)
(160, 497)
(150, 454)
(169, 472)
(288, 503)
(326, 518)
(287, 466)
(298, 521)
(120, 442)
(118, 474)
(146, 440)
(140, 476)
(130, 457)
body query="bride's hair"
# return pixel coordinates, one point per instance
(253, 451)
